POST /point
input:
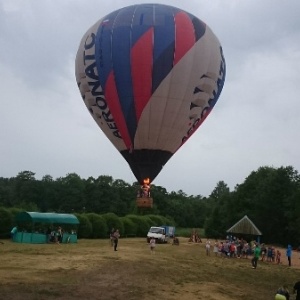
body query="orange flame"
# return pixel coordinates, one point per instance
(146, 181)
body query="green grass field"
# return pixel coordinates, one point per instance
(92, 270)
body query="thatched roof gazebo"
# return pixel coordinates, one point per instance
(245, 226)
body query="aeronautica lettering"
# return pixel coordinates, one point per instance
(97, 105)
(211, 102)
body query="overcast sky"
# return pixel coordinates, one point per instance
(45, 126)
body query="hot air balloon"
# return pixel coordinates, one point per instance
(149, 75)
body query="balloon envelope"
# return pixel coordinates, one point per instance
(149, 74)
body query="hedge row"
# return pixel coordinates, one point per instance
(94, 225)
(99, 226)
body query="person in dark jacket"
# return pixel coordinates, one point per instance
(297, 290)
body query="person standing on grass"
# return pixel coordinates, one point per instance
(216, 248)
(256, 255)
(13, 233)
(152, 245)
(207, 247)
(278, 257)
(289, 254)
(116, 237)
(296, 289)
(111, 236)
(263, 252)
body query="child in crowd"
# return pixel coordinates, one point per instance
(278, 257)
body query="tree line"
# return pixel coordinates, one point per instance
(269, 196)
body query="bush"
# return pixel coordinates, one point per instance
(141, 223)
(149, 221)
(85, 228)
(113, 221)
(157, 220)
(130, 228)
(168, 221)
(14, 212)
(6, 222)
(99, 227)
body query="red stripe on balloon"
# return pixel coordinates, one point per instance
(141, 70)
(184, 35)
(114, 106)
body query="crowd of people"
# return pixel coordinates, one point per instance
(195, 237)
(53, 234)
(240, 248)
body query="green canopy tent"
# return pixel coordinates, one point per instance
(32, 227)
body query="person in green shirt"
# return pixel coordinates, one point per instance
(256, 255)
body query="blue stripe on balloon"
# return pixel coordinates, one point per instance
(103, 48)
(121, 39)
(164, 44)
(199, 27)
(142, 21)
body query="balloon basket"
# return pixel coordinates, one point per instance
(144, 202)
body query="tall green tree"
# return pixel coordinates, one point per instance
(7, 192)
(26, 189)
(71, 194)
